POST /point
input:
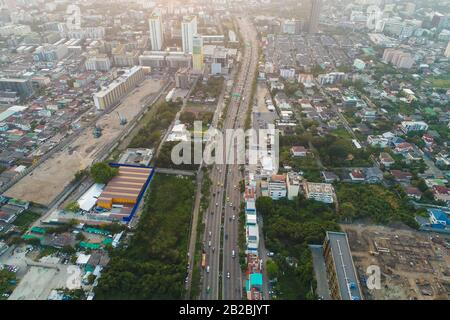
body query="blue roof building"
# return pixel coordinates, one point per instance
(256, 281)
(438, 218)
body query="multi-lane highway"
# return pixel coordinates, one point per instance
(220, 240)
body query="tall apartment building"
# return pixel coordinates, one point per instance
(342, 277)
(188, 30)
(110, 95)
(50, 53)
(197, 53)
(398, 58)
(289, 26)
(22, 87)
(100, 62)
(126, 59)
(316, 6)
(156, 32)
(94, 33)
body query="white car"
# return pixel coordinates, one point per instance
(228, 275)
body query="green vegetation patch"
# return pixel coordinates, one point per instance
(25, 219)
(375, 202)
(7, 283)
(289, 226)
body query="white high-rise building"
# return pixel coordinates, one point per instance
(156, 32)
(447, 51)
(188, 30)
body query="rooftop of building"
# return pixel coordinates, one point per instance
(345, 269)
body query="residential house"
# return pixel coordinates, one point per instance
(441, 193)
(413, 193)
(409, 126)
(329, 176)
(401, 176)
(377, 141)
(299, 151)
(373, 175)
(386, 160)
(403, 148)
(357, 176)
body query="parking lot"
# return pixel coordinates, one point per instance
(37, 279)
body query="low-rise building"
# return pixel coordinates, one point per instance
(357, 176)
(329, 177)
(323, 192)
(386, 159)
(293, 185)
(277, 186)
(377, 141)
(409, 126)
(401, 176)
(299, 151)
(441, 193)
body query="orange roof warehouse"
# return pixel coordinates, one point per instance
(127, 188)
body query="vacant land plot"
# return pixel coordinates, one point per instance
(46, 181)
(413, 265)
(40, 281)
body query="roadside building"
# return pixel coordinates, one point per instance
(342, 277)
(277, 186)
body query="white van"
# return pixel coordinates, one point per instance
(207, 269)
(233, 254)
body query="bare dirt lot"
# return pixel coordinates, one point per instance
(413, 265)
(46, 181)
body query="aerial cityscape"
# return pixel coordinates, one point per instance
(225, 150)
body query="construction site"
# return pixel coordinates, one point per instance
(413, 265)
(46, 181)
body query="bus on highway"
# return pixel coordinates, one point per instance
(203, 260)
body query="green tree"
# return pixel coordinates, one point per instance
(101, 172)
(272, 269)
(264, 205)
(69, 250)
(73, 207)
(347, 211)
